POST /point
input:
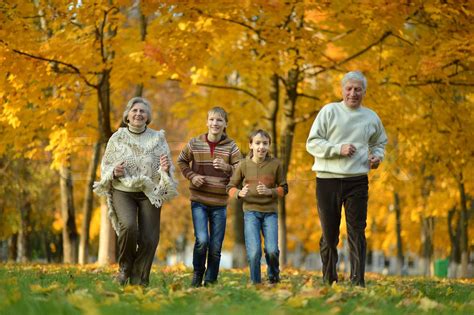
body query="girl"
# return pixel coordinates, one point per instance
(262, 179)
(207, 162)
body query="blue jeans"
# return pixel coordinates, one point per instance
(267, 223)
(209, 229)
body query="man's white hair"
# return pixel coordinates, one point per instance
(354, 76)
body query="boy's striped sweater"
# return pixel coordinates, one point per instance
(196, 159)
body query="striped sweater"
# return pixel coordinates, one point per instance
(196, 159)
(270, 173)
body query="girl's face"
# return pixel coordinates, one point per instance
(138, 115)
(260, 146)
(215, 124)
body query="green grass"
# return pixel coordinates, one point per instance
(63, 289)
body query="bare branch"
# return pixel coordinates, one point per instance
(430, 82)
(308, 96)
(73, 68)
(226, 87)
(357, 54)
(339, 36)
(402, 39)
(256, 31)
(441, 82)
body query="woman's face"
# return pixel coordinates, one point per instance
(138, 115)
(216, 124)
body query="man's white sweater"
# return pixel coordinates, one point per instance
(338, 124)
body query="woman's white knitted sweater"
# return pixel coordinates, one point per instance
(141, 156)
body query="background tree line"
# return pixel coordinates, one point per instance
(68, 68)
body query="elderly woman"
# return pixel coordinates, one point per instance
(137, 176)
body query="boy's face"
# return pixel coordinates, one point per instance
(215, 124)
(260, 146)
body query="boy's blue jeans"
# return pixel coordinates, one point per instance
(267, 223)
(209, 229)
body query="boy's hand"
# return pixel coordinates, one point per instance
(198, 180)
(244, 191)
(220, 164)
(263, 190)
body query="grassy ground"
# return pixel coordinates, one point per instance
(60, 289)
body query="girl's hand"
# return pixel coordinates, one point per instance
(244, 191)
(164, 163)
(263, 190)
(220, 164)
(119, 170)
(198, 180)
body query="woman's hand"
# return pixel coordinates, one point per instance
(220, 164)
(119, 170)
(244, 191)
(164, 163)
(198, 180)
(263, 190)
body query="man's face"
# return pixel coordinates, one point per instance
(353, 93)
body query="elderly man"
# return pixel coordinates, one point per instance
(347, 140)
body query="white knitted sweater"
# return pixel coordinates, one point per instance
(141, 154)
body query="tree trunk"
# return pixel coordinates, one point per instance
(454, 235)
(107, 237)
(23, 234)
(427, 244)
(107, 234)
(12, 247)
(464, 239)
(70, 235)
(272, 112)
(88, 205)
(398, 214)
(286, 144)
(238, 251)
(143, 32)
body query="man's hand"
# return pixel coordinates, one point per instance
(244, 191)
(348, 150)
(374, 161)
(198, 180)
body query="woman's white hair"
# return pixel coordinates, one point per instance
(354, 76)
(134, 101)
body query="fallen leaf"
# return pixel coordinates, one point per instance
(36, 288)
(335, 298)
(426, 304)
(297, 301)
